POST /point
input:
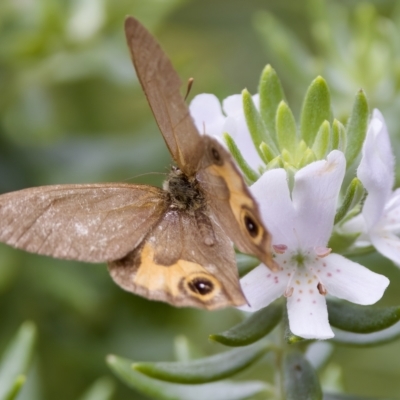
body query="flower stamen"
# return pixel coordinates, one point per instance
(322, 289)
(321, 251)
(279, 248)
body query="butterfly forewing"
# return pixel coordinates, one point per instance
(161, 85)
(94, 223)
(185, 260)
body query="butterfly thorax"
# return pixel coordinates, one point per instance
(184, 192)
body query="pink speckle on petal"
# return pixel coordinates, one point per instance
(338, 270)
(298, 300)
(269, 276)
(329, 274)
(314, 302)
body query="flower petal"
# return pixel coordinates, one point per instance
(315, 195)
(308, 315)
(261, 287)
(273, 196)
(206, 112)
(376, 170)
(387, 244)
(351, 281)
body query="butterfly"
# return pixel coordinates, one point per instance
(171, 244)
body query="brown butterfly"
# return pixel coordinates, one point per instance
(171, 244)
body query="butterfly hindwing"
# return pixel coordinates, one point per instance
(186, 260)
(94, 223)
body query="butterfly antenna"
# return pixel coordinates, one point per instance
(189, 87)
(144, 174)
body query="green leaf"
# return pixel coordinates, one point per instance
(341, 396)
(246, 263)
(186, 350)
(172, 391)
(356, 127)
(300, 380)
(15, 361)
(354, 194)
(248, 172)
(367, 339)
(102, 389)
(252, 328)
(271, 94)
(316, 109)
(256, 126)
(15, 388)
(275, 163)
(321, 142)
(361, 319)
(340, 242)
(286, 128)
(204, 370)
(339, 136)
(308, 158)
(267, 154)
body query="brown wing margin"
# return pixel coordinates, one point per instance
(93, 223)
(161, 84)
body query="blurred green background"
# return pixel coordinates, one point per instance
(71, 111)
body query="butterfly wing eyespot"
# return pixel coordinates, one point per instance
(215, 155)
(201, 286)
(251, 226)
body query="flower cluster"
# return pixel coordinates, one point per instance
(301, 218)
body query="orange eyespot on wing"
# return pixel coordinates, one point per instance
(198, 275)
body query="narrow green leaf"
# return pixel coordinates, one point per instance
(246, 263)
(361, 319)
(308, 158)
(16, 359)
(257, 129)
(185, 350)
(300, 380)
(339, 136)
(367, 339)
(356, 127)
(172, 391)
(15, 388)
(286, 128)
(340, 242)
(315, 110)
(204, 370)
(271, 94)
(321, 142)
(253, 328)
(341, 396)
(267, 154)
(248, 172)
(354, 194)
(102, 389)
(275, 163)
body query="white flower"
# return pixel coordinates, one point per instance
(206, 112)
(301, 224)
(380, 218)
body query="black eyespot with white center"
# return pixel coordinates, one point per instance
(251, 226)
(201, 286)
